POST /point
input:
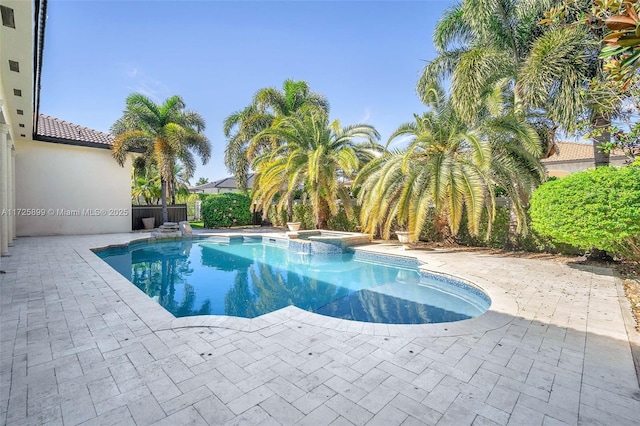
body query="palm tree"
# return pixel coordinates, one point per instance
(242, 126)
(147, 188)
(450, 167)
(167, 133)
(445, 166)
(482, 46)
(563, 74)
(180, 183)
(315, 153)
(487, 47)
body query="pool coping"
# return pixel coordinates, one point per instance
(501, 312)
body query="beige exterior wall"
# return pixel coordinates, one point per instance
(564, 168)
(217, 190)
(81, 190)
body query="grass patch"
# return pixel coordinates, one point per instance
(197, 225)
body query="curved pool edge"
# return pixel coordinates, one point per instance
(502, 311)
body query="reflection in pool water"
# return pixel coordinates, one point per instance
(205, 277)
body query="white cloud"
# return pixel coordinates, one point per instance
(139, 82)
(367, 116)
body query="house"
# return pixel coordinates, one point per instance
(227, 184)
(573, 157)
(56, 177)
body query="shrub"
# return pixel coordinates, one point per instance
(341, 222)
(276, 219)
(303, 213)
(499, 238)
(190, 201)
(598, 208)
(226, 210)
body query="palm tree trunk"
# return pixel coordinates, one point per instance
(322, 221)
(443, 230)
(290, 207)
(165, 212)
(512, 234)
(173, 193)
(600, 121)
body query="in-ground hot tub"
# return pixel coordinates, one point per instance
(319, 241)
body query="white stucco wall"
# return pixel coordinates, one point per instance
(82, 190)
(564, 168)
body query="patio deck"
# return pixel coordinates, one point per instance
(81, 345)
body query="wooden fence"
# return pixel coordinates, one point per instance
(177, 213)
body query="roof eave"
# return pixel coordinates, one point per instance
(64, 141)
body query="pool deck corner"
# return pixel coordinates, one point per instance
(79, 344)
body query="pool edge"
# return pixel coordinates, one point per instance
(502, 310)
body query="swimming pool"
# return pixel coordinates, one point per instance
(249, 278)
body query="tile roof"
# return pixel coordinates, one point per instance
(575, 151)
(228, 182)
(54, 129)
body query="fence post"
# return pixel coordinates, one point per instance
(198, 210)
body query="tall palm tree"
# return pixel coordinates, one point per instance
(563, 74)
(315, 153)
(167, 133)
(482, 46)
(242, 126)
(489, 46)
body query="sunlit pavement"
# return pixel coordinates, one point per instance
(81, 345)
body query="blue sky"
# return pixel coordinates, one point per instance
(365, 57)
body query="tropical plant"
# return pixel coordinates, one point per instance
(445, 165)
(450, 167)
(564, 75)
(226, 210)
(593, 208)
(317, 155)
(482, 46)
(622, 38)
(146, 188)
(202, 181)
(241, 127)
(180, 184)
(167, 133)
(497, 50)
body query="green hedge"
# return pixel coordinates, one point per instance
(341, 222)
(275, 218)
(499, 238)
(598, 208)
(226, 210)
(303, 213)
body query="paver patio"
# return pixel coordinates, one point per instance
(81, 345)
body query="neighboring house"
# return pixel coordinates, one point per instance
(573, 157)
(227, 184)
(55, 177)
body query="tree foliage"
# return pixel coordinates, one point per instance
(226, 210)
(452, 167)
(598, 208)
(241, 127)
(167, 134)
(622, 40)
(315, 154)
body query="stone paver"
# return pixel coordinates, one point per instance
(81, 345)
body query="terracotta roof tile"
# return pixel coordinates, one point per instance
(572, 151)
(51, 127)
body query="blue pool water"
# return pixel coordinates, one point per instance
(208, 277)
